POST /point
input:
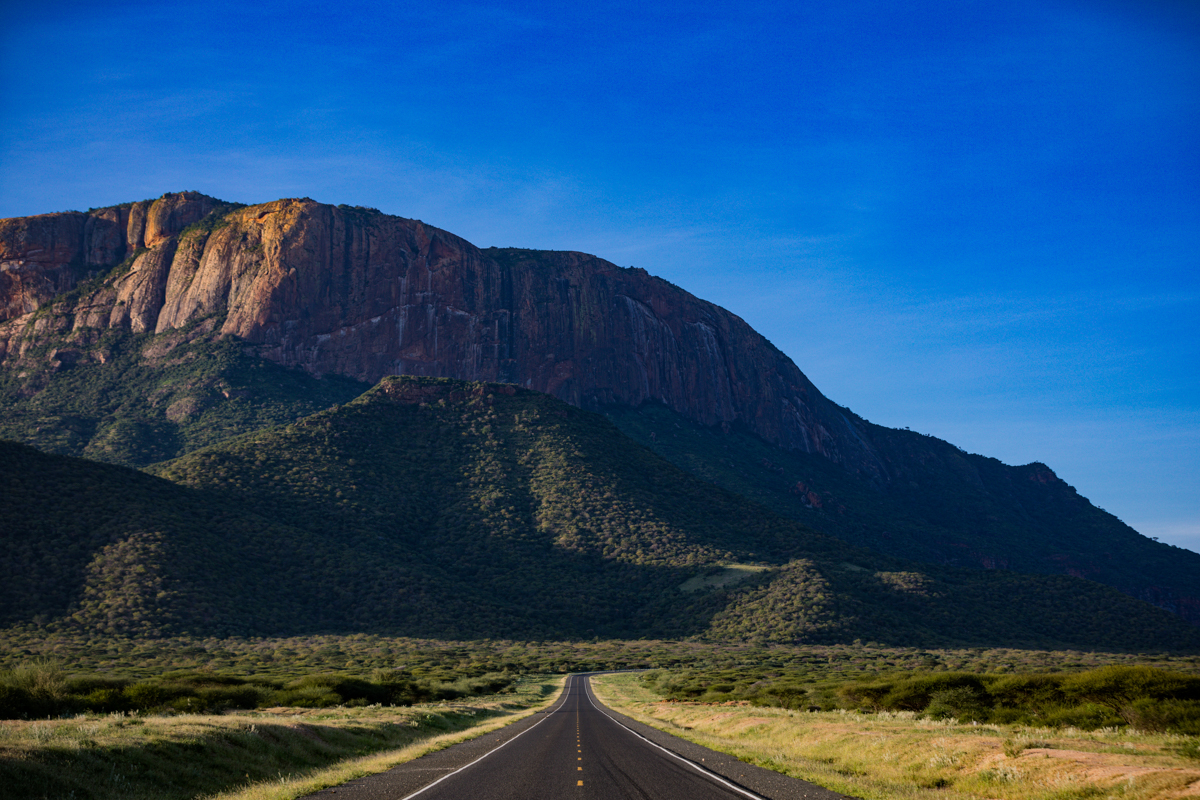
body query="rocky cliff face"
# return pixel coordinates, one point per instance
(359, 293)
(43, 256)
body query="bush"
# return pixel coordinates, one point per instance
(1089, 716)
(219, 698)
(917, 692)
(149, 696)
(34, 689)
(961, 702)
(1119, 687)
(16, 703)
(1028, 691)
(105, 700)
(1178, 716)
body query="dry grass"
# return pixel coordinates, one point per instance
(267, 754)
(729, 575)
(887, 756)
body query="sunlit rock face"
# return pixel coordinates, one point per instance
(360, 293)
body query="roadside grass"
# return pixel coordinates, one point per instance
(264, 754)
(888, 755)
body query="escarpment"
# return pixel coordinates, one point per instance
(360, 293)
(339, 290)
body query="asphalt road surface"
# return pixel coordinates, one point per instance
(578, 750)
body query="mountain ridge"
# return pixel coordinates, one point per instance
(341, 290)
(363, 294)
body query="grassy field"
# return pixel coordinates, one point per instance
(265, 754)
(899, 755)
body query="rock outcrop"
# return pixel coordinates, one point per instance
(359, 293)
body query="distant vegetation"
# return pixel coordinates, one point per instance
(213, 220)
(50, 674)
(1141, 696)
(42, 689)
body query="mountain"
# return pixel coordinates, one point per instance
(142, 294)
(358, 293)
(943, 506)
(441, 508)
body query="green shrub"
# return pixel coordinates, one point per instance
(148, 696)
(1028, 691)
(16, 703)
(219, 698)
(1178, 716)
(34, 689)
(916, 693)
(961, 702)
(1118, 687)
(1088, 716)
(105, 700)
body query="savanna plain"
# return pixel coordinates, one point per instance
(263, 718)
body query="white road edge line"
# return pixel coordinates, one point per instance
(587, 683)
(552, 711)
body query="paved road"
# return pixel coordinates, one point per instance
(578, 750)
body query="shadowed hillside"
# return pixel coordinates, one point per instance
(431, 507)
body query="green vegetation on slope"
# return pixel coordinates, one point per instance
(135, 399)
(438, 508)
(942, 506)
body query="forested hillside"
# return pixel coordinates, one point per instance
(431, 507)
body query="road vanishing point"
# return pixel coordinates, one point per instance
(577, 750)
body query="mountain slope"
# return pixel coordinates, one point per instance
(946, 506)
(356, 293)
(440, 508)
(135, 399)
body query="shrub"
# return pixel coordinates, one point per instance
(1179, 716)
(1118, 687)
(917, 692)
(961, 702)
(33, 689)
(1028, 691)
(1088, 716)
(16, 703)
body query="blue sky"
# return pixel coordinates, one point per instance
(980, 220)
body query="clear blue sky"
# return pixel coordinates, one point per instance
(980, 220)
